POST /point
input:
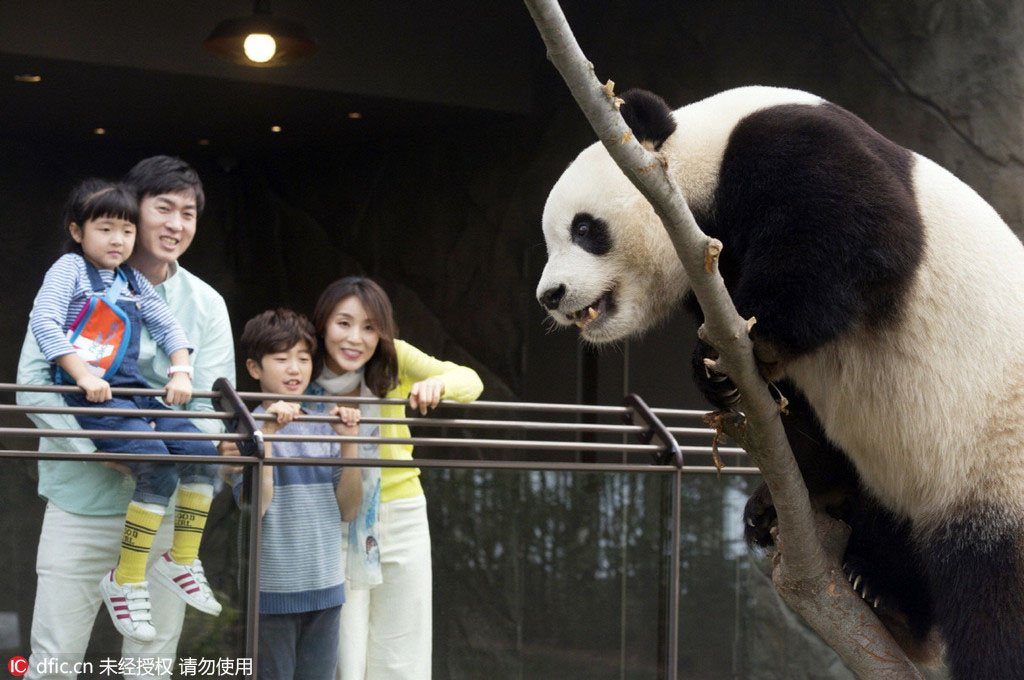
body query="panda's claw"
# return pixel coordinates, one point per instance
(877, 600)
(729, 398)
(856, 582)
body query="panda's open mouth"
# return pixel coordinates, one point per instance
(594, 311)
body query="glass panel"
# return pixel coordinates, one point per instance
(548, 574)
(216, 644)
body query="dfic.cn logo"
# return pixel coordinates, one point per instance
(18, 665)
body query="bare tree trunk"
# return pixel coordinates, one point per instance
(807, 571)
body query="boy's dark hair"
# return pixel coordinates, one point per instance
(381, 370)
(276, 330)
(165, 175)
(93, 198)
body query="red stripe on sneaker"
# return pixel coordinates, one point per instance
(185, 586)
(193, 590)
(124, 616)
(178, 578)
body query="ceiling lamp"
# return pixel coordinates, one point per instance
(261, 39)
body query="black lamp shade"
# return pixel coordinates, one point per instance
(294, 42)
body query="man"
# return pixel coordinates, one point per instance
(86, 501)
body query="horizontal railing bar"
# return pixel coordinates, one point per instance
(116, 391)
(416, 422)
(119, 412)
(373, 462)
(480, 404)
(496, 443)
(119, 434)
(524, 444)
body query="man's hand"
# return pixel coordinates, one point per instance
(229, 449)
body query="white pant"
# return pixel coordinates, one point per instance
(75, 551)
(387, 632)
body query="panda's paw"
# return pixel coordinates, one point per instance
(759, 518)
(855, 574)
(720, 391)
(717, 388)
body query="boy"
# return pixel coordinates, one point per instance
(301, 569)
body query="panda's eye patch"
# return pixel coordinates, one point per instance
(590, 234)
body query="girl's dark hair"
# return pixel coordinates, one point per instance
(94, 198)
(165, 175)
(381, 371)
(276, 330)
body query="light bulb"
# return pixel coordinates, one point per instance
(259, 47)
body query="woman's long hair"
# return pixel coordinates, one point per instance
(381, 371)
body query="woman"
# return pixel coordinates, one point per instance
(386, 631)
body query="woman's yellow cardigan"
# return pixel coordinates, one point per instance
(460, 384)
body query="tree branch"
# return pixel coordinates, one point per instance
(806, 573)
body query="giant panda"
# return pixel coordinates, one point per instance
(889, 300)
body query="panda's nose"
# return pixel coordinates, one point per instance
(552, 296)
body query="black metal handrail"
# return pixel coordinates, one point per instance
(668, 454)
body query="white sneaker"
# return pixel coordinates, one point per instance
(129, 608)
(187, 581)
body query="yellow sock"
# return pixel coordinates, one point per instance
(189, 521)
(140, 527)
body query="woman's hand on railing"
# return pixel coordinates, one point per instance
(425, 395)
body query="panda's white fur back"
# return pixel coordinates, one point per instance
(935, 406)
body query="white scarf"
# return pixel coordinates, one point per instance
(340, 385)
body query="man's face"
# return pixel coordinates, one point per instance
(167, 225)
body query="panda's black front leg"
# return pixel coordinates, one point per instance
(759, 518)
(830, 478)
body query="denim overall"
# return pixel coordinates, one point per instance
(154, 482)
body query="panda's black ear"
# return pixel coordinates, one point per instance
(648, 116)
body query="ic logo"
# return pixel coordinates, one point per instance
(18, 666)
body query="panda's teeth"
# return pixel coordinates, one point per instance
(592, 313)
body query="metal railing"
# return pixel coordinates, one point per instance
(657, 441)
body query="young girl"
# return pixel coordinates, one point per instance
(386, 631)
(87, 319)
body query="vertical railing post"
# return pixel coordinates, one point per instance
(242, 422)
(675, 577)
(640, 413)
